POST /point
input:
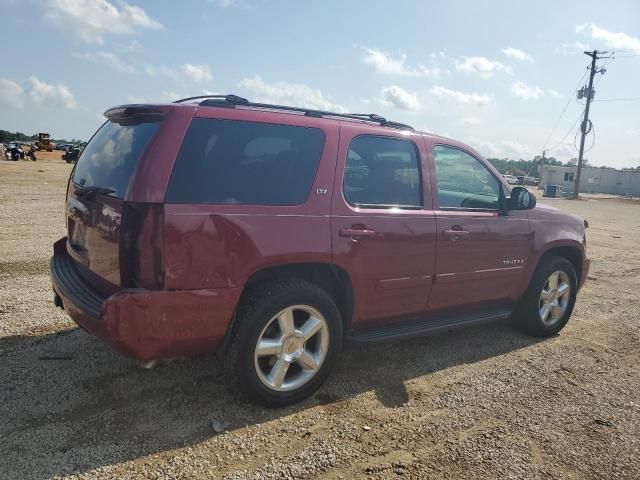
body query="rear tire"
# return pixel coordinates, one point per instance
(546, 306)
(285, 342)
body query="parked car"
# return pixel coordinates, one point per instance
(511, 180)
(273, 234)
(526, 180)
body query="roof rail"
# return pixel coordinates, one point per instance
(233, 100)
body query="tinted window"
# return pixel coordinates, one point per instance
(382, 172)
(235, 162)
(464, 182)
(112, 155)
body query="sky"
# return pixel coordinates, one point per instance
(493, 74)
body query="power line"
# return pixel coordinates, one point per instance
(564, 109)
(593, 142)
(629, 99)
(568, 132)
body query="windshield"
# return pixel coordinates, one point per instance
(112, 155)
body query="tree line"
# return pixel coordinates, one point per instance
(532, 167)
(6, 137)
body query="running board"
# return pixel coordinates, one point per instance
(426, 326)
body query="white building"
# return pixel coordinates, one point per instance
(593, 180)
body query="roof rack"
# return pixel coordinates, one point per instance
(233, 99)
(230, 101)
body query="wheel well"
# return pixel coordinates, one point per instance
(572, 254)
(331, 278)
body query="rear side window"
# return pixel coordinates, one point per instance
(382, 172)
(245, 163)
(112, 156)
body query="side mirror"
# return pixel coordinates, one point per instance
(521, 199)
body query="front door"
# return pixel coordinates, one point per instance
(481, 255)
(383, 226)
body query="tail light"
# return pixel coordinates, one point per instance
(141, 243)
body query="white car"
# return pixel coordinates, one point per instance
(511, 180)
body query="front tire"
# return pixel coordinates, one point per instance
(285, 342)
(546, 306)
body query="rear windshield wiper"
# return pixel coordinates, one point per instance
(93, 190)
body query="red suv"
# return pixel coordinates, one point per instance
(272, 234)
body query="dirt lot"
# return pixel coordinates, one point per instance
(480, 403)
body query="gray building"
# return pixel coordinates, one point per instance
(593, 180)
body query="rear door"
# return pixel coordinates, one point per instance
(96, 193)
(248, 192)
(382, 223)
(481, 254)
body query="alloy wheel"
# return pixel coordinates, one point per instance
(291, 348)
(554, 298)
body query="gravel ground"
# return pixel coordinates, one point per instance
(485, 402)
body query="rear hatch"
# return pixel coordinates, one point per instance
(96, 208)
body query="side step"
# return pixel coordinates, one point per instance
(426, 326)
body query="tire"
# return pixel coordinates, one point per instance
(531, 309)
(260, 317)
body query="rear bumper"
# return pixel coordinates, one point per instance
(144, 324)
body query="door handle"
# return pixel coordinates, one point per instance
(455, 235)
(356, 232)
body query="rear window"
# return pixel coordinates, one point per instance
(245, 163)
(112, 155)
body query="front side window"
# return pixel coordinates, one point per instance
(464, 182)
(382, 172)
(245, 163)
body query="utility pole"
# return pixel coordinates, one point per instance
(542, 159)
(583, 126)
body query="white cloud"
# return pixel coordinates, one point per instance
(517, 54)
(470, 121)
(91, 20)
(294, 94)
(196, 73)
(109, 59)
(134, 46)
(189, 71)
(504, 149)
(230, 3)
(398, 97)
(572, 48)
(460, 97)
(513, 149)
(526, 92)
(615, 40)
(385, 63)
(164, 97)
(485, 147)
(554, 93)
(11, 92)
(46, 93)
(481, 66)
(566, 150)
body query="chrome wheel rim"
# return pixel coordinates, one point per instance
(291, 348)
(554, 298)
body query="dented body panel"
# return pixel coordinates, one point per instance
(156, 279)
